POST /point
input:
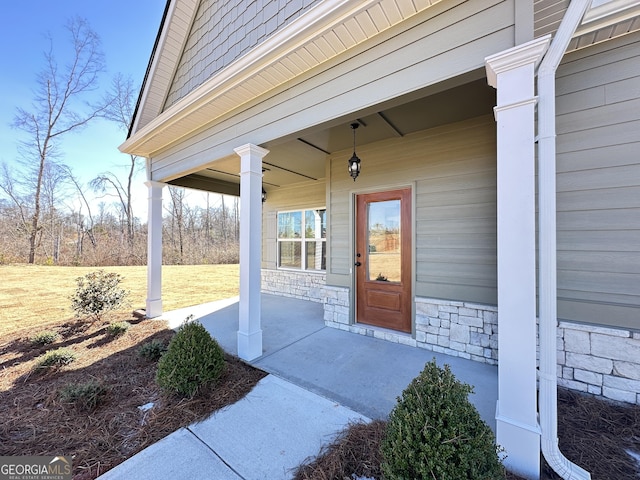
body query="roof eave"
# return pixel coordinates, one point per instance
(248, 74)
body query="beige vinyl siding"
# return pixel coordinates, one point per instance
(443, 42)
(598, 126)
(296, 197)
(547, 15)
(453, 172)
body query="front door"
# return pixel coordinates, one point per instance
(383, 259)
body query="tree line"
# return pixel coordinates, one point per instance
(46, 212)
(192, 234)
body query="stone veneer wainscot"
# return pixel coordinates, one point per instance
(601, 361)
(288, 283)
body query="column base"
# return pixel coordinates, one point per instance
(250, 345)
(521, 443)
(154, 307)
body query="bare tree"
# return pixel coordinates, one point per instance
(84, 224)
(121, 100)
(8, 185)
(177, 212)
(108, 183)
(57, 109)
(53, 191)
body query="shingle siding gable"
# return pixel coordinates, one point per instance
(225, 30)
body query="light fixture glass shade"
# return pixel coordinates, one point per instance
(354, 166)
(264, 195)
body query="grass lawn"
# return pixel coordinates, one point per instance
(36, 296)
(37, 418)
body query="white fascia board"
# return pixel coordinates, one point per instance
(152, 82)
(154, 65)
(318, 20)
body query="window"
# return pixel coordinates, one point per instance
(302, 239)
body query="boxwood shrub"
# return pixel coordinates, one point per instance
(193, 360)
(435, 432)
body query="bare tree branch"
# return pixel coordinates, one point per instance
(8, 187)
(55, 111)
(120, 102)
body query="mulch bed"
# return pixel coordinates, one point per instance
(356, 450)
(34, 420)
(594, 433)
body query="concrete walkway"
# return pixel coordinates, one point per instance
(320, 380)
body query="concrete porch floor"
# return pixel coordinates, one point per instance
(362, 373)
(320, 380)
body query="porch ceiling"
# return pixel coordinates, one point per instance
(301, 157)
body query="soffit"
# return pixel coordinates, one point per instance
(327, 30)
(605, 20)
(302, 158)
(586, 37)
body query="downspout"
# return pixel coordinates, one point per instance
(547, 289)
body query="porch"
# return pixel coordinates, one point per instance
(365, 374)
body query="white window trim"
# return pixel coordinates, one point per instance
(302, 240)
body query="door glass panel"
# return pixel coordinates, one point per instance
(383, 234)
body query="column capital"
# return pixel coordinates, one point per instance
(251, 149)
(518, 56)
(153, 183)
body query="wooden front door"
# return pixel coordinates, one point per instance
(383, 259)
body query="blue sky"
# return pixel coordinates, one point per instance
(127, 29)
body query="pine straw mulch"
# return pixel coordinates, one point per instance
(594, 433)
(34, 421)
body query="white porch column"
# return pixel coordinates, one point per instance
(512, 73)
(249, 331)
(154, 250)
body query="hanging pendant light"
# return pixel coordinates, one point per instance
(354, 161)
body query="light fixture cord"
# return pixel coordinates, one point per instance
(354, 138)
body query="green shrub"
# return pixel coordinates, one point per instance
(435, 432)
(98, 293)
(117, 328)
(43, 338)
(86, 396)
(56, 358)
(152, 350)
(193, 360)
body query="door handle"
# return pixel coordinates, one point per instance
(357, 264)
